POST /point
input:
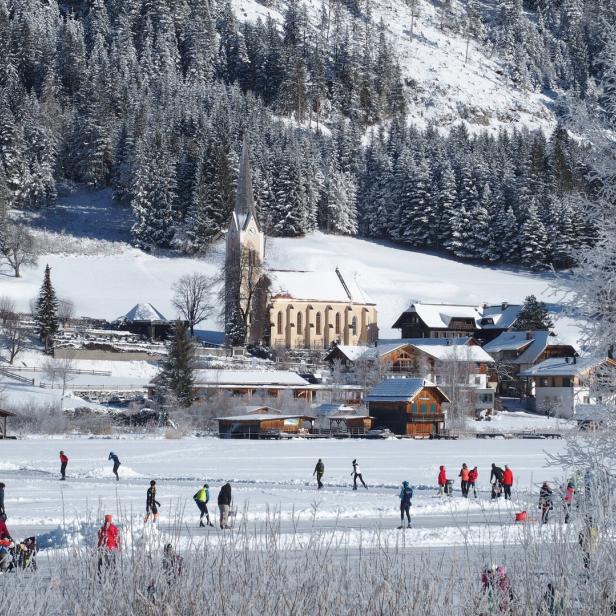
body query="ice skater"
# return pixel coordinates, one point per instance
(224, 505)
(116, 464)
(151, 504)
(63, 464)
(2, 510)
(545, 501)
(356, 472)
(406, 495)
(202, 498)
(472, 480)
(319, 470)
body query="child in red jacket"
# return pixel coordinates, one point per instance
(442, 480)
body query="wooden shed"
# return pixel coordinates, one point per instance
(263, 422)
(3, 418)
(351, 423)
(411, 407)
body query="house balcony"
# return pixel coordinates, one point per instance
(425, 417)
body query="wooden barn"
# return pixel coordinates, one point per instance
(263, 422)
(3, 418)
(411, 407)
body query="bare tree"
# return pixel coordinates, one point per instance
(61, 370)
(454, 375)
(193, 298)
(18, 248)
(13, 337)
(66, 311)
(7, 308)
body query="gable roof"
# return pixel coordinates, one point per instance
(145, 313)
(317, 286)
(351, 353)
(248, 377)
(262, 417)
(391, 390)
(566, 366)
(439, 316)
(532, 344)
(455, 353)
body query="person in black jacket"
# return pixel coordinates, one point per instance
(224, 505)
(2, 510)
(545, 501)
(496, 479)
(319, 469)
(116, 464)
(151, 504)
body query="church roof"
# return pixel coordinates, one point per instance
(317, 286)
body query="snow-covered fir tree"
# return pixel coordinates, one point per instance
(47, 311)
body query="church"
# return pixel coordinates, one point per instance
(286, 308)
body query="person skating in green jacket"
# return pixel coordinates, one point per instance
(202, 498)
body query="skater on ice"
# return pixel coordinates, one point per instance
(545, 501)
(151, 504)
(319, 470)
(406, 496)
(116, 464)
(63, 464)
(464, 475)
(202, 498)
(442, 481)
(2, 510)
(356, 472)
(507, 482)
(473, 474)
(224, 505)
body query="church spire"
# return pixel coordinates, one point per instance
(244, 198)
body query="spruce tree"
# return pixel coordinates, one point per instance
(534, 316)
(47, 311)
(177, 376)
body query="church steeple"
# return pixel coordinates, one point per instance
(244, 197)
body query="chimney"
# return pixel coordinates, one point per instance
(575, 359)
(504, 306)
(529, 335)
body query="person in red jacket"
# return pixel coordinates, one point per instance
(442, 480)
(63, 463)
(464, 474)
(4, 531)
(507, 482)
(108, 542)
(472, 480)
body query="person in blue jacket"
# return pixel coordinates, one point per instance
(406, 494)
(116, 464)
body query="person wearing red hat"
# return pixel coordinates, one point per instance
(108, 542)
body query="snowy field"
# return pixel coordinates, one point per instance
(272, 478)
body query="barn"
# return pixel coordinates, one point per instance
(411, 407)
(263, 422)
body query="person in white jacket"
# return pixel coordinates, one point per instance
(356, 472)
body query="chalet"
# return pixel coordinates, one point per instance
(412, 407)
(145, 320)
(520, 351)
(483, 322)
(263, 422)
(3, 417)
(272, 383)
(559, 386)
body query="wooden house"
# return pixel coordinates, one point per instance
(483, 322)
(412, 407)
(263, 422)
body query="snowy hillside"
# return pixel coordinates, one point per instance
(106, 279)
(443, 87)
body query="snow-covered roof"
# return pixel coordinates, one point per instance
(533, 344)
(352, 353)
(144, 313)
(500, 316)
(329, 408)
(248, 377)
(400, 389)
(317, 286)
(455, 353)
(564, 366)
(458, 341)
(261, 417)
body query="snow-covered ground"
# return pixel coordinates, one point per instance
(271, 477)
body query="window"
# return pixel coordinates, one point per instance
(318, 323)
(279, 324)
(414, 407)
(424, 408)
(477, 380)
(433, 408)
(354, 326)
(337, 322)
(545, 382)
(586, 399)
(566, 381)
(300, 323)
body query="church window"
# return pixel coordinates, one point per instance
(318, 323)
(279, 324)
(337, 322)
(300, 323)
(354, 326)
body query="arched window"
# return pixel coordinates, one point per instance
(354, 326)
(300, 323)
(318, 323)
(337, 322)
(279, 324)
